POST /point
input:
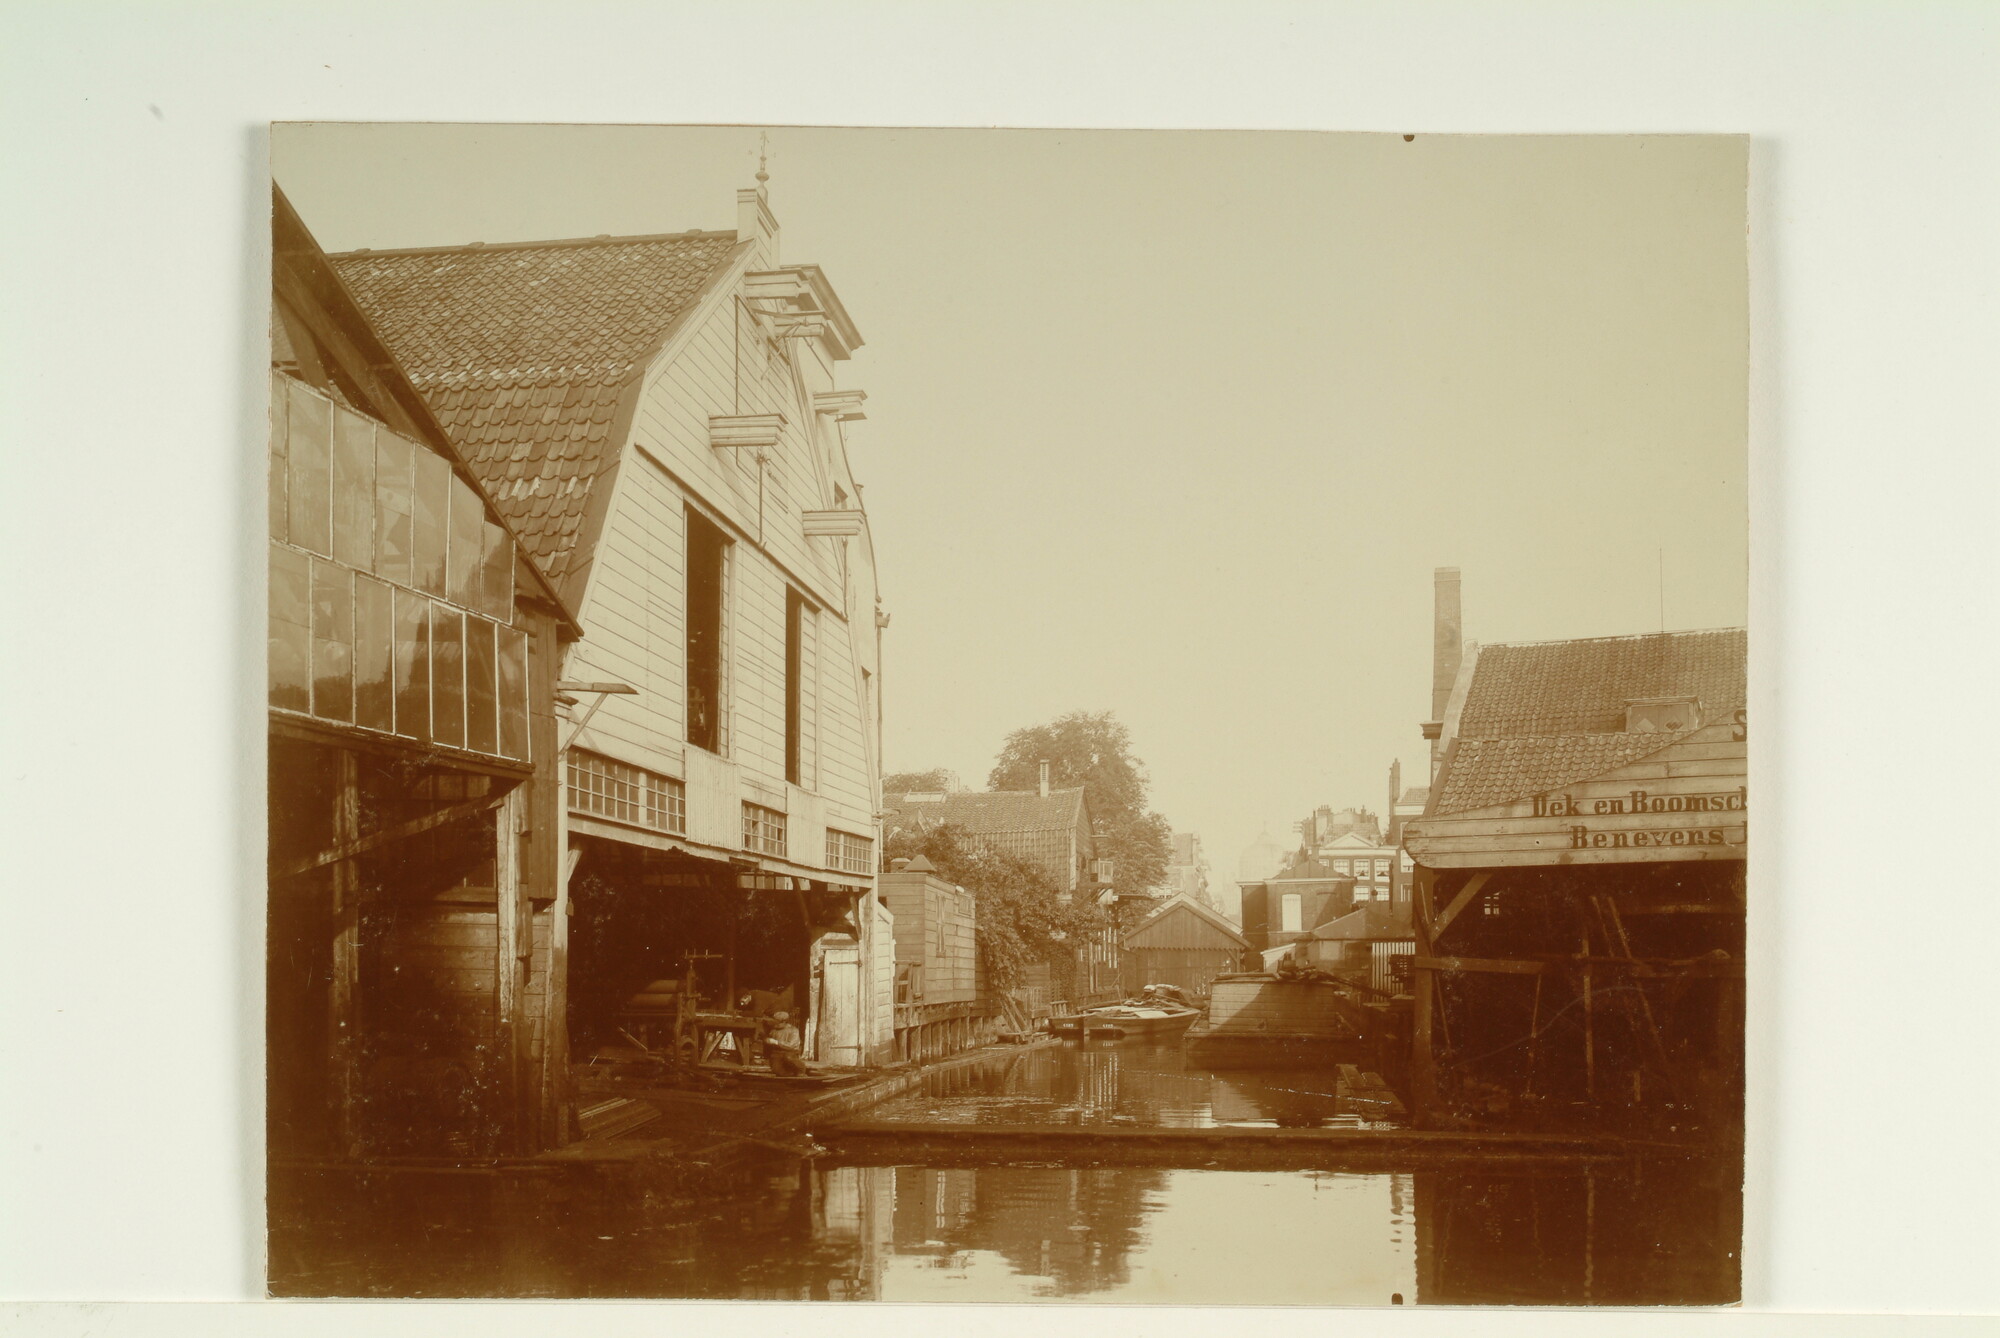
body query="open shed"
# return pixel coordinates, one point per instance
(1182, 943)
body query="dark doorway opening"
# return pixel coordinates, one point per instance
(707, 555)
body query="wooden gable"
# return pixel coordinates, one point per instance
(1687, 801)
(1181, 926)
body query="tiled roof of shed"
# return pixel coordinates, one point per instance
(1546, 688)
(1495, 771)
(525, 350)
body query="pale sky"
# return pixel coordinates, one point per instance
(1177, 424)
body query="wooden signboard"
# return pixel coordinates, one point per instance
(1687, 801)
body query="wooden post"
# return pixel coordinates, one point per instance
(549, 863)
(555, 1016)
(1534, 1036)
(344, 980)
(512, 941)
(1423, 1072)
(1589, 1032)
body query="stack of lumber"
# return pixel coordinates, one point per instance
(1368, 1093)
(614, 1117)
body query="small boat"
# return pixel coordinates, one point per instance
(1153, 1022)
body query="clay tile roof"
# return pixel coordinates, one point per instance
(1581, 687)
(1540, 715)
(525, 350)
(1016, 822)
(1495, 771)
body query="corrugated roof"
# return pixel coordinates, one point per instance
(526, 351)
(1495, 771)
(1548, 688)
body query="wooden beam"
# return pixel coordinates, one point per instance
(1466, 896)
(512, 942)
(351, 847)
(1607, 913)
(1423, 1060)
(343, 1000)
(1511, 966)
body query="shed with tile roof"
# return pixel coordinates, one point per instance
(1580, 885)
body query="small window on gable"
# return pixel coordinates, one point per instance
(1661, 715)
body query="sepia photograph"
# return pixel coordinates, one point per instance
(977, 716)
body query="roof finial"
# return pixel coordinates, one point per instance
(763, 150)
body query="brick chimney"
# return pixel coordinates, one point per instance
(1447, 650)
(1045, 778)
(756, 223)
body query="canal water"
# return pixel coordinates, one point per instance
(779, 1226)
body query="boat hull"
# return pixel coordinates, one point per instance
(1088, 1027)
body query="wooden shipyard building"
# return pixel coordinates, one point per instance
(1579, 894)
(414, 782)
(659, 417)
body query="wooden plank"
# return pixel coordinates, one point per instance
(354, 845)
(1466, 895)
(549, 865)
(1493, 965)
(343, 987)
(1463, 826)
(510, 948)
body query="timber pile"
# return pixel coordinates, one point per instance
(1368, 1091)
(615, 1117)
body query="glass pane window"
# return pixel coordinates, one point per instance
(290, 629)
(447, 675)
(513, 670)
(612, 789)
(433, 501)
(763, 830)
(482, 726)
(666, 803)
(848, 852)
(467, 542)
(309, 482)
(413, 665)
(280, 520)
(353, 490)
(496, 573)
(395, 500)
(333, 642)
(374, 654)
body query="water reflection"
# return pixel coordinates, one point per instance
(1126, 1084)
(786, 1229)
(778, 1227)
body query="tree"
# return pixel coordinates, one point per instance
(1023, 917)
(1093, 750)
(937, 780)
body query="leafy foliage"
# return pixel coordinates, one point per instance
(938, 780)
(1094, 750)
(1023, 917)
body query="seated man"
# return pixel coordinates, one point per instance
(782, 1047)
